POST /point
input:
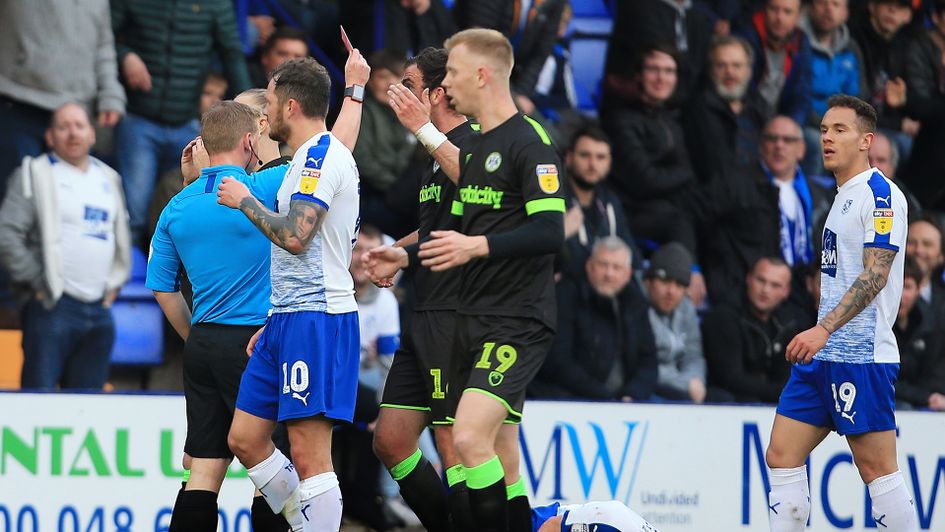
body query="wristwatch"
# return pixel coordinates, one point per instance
(355, 92)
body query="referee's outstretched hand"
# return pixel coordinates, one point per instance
(805, 345)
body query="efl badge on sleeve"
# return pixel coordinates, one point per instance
(309, 181)
(547, 178)
(882, 221)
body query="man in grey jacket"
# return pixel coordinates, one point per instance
(675, 325)
(55, 51)
(64, 239)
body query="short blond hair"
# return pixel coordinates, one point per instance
(223, 126)
(488, 43)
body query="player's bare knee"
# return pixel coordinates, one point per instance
(776, 457)
(471, 446)
(870, 469)
(390, 447)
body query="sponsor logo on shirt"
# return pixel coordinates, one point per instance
(309, 181)
(96, 222)
(882, 220)
(828, 257)
(430, 193)
(846, 206)
(547, 178)
(481, 196)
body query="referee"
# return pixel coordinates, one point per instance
(227, 262)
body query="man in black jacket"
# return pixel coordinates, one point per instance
(922, 353)
(593, 209)
(785, 207)
(744, 344)
(604, 348)
(724, 120)
(654, 170)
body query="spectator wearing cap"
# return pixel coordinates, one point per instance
(744, 343)
(782, 70)
(594, 211)
(883, 36)
(921, 382)
(675, 325)
(604, 347)
(835, 62)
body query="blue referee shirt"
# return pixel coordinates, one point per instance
(225, 256)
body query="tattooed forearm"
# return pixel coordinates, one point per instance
(292, 232)
(876, 265)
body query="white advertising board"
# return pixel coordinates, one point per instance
(111, 463)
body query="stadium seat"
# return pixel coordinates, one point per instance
(139, 322)
(139, 333)
(11, 359)
(589, 30)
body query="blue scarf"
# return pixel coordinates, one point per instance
(796, 242)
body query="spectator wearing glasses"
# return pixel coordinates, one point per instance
(650, 150)
(784, 206)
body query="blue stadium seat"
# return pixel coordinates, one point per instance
(139, 322)
(590, 28)
(592, 8)
(139, 333)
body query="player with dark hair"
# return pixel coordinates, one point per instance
(850, 359)
(512, 225)
(304, 365)
(415, 392)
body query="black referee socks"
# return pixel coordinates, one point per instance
(422, 490)
(194, 511)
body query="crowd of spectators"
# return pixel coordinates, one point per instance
(695, 191)
(695, 201)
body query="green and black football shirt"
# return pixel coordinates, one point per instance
(509, 174)
(440, 290)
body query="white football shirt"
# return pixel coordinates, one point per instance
(869, 211)
(322, 171)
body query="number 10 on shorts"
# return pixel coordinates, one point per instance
(295, 380)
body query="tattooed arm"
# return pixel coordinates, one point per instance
(877, 263)
(292, 232)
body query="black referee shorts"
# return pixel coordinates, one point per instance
(423, 368)
(504, 354)
(214, 360)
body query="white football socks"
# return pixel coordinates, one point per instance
(276, 479)
(789, 499)
(893, 507)
(321, 503)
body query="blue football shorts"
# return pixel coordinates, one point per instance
(305, 364)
